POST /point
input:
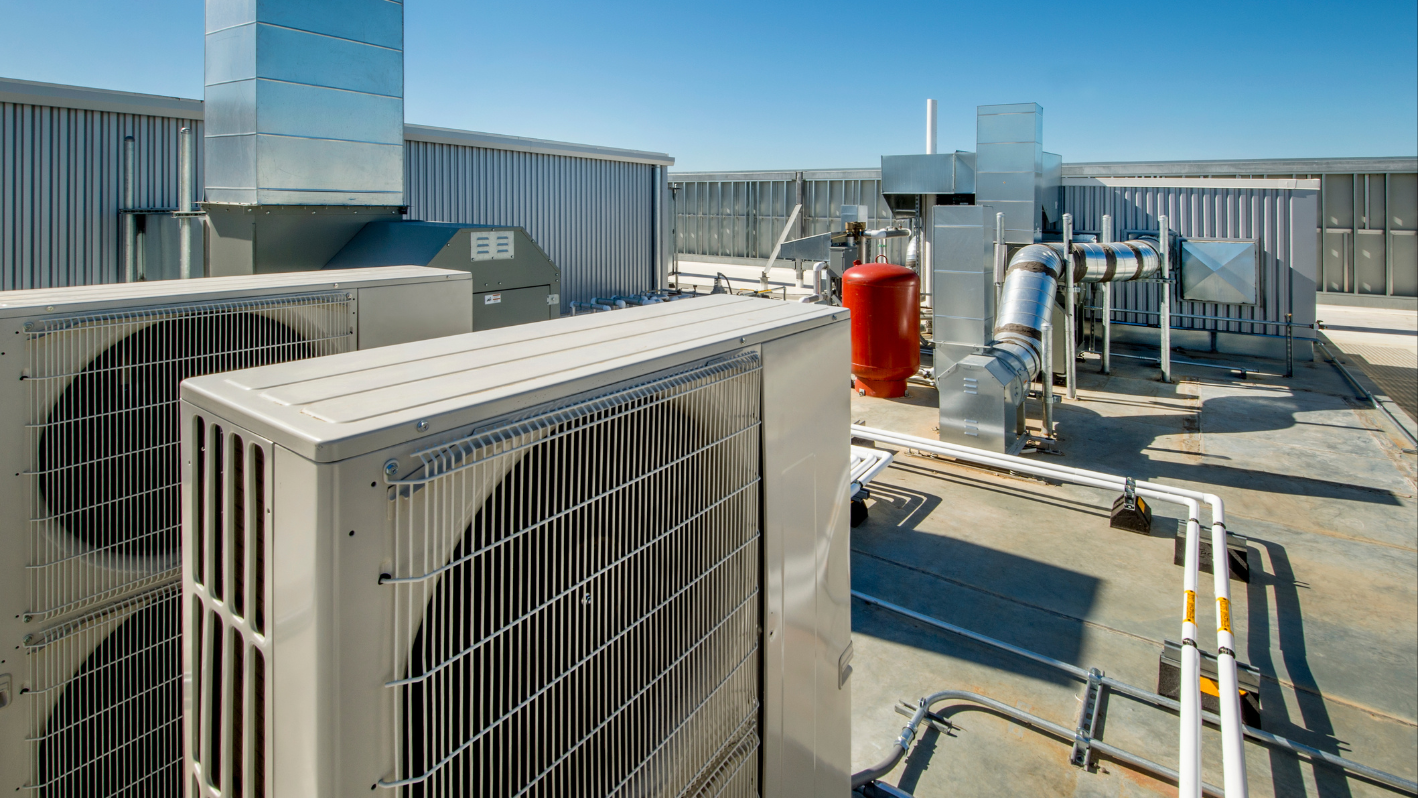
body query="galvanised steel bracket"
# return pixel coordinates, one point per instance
(1087, 726)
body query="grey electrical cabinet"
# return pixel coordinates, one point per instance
(514, 281)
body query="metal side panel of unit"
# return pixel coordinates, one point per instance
(398, 314)
(807, 734)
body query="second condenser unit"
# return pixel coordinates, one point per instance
(604, 555)
(90, 584)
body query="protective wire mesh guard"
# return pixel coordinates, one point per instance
(103, 423)
(106, 701)
(576, 597)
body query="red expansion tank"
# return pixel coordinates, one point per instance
(885, 300)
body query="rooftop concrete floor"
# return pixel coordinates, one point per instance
(1318, 483)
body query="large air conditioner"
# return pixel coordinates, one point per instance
(90, 582)
(602, 555)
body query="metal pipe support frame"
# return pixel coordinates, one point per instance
(1070, 305)
(1136, 693)
(1233, 747)
(1107, 304)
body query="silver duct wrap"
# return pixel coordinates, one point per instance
(1031, 282)
(1109, 263)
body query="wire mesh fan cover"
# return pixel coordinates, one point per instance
(105, 515)
(114, 728)
(595, 627)
(104, 392)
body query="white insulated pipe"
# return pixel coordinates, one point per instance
(1233, 741)
(930, 127)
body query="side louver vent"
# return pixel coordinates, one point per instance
(229, 649)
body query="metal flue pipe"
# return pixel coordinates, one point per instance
(930, 127)
(1233, 747)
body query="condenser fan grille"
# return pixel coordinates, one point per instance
(577, 598)
(104, 391)
(107, 702)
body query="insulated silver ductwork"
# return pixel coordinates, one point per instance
(1031, 281)
(982, 395)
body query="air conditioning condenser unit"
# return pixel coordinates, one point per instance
(90, 585)
(602, 555)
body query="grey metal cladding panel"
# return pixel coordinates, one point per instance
(592, 218)
(960, 330)
(230, 108)
(1015, 186)
(964, 295)
(230, 55)
(319, 112)
(61, 186)
(299, 57)
(222, 14)
(996, 128)
(378, 22)
(232, 166)
(1010, 157)
(300, 164)
(918, 174)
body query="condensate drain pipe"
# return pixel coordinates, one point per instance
(1233, 745)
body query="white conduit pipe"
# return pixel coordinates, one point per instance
(1233, 743)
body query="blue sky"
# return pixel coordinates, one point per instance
(743, 85)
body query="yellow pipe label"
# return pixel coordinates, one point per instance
(1190, 617)
(1223, 612)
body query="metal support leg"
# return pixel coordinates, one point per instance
(1107, 304)
(1087, 727)
(1289, 345)
(1165, 245)
(1048, 380)
(1070, 304)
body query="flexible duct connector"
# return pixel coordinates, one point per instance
(1032, 279)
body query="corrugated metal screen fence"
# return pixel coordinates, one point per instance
(1279, 219)
(61, 188)
(737, 215)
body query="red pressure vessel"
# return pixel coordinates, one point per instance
(885, 300)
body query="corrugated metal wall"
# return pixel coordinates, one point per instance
(1368, 228)
(61, 174)
(593, 218)
(61, 192)
(1271, 216)
(732, 215)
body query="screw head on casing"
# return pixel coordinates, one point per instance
(391, 468)
(422, 426)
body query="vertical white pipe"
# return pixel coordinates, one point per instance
(1233, 743)
(1166, 304)
(930, 127)
(130, 222)
(1070, 304)
(1107, 304)
(186, 178)
(1189, 767)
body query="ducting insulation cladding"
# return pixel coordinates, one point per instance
(885, 300)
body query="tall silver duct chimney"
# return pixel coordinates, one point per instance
(304, 138)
